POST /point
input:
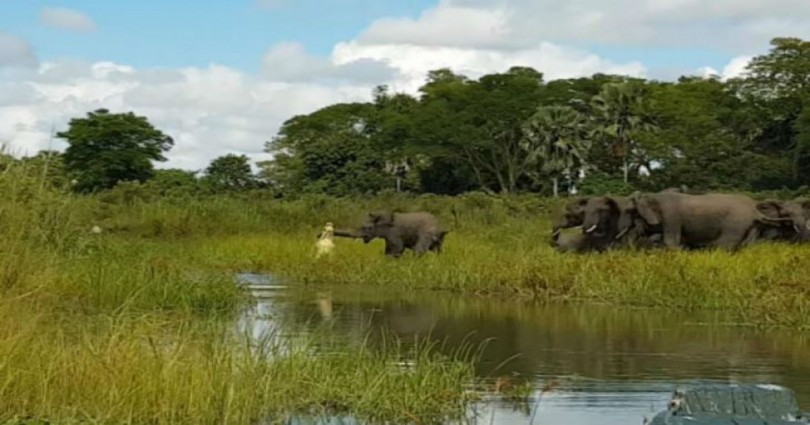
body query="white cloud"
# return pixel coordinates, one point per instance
(413, 62)
(66, 19)
(734, 68)
(290, 62)
(15, 51)
(208, 111)
(519, 24)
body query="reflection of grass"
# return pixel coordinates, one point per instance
(763, 285)
(116, 329)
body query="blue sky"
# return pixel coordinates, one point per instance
(148, 33)
(222, 76)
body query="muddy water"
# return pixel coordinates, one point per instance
(608, 365)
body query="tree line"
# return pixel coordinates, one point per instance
(503, 132)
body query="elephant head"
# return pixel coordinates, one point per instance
(795, 213)
(573, 215)
(648, 208)
(377, 225)
(607, 216)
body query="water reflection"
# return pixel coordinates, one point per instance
(614, 365)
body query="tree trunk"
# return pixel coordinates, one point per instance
(399, 184)
(626, 170)
(555, 186)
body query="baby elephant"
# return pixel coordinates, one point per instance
(417, 231)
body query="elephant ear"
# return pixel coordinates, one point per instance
(382, 219)
(770, 208)
(649, 209)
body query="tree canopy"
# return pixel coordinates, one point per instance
(513, 131)
(503, 132)
(105, 149)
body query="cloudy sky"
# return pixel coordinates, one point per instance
(221, 76)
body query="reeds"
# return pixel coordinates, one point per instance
(126, 327)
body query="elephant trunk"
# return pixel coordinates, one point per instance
(347, 234)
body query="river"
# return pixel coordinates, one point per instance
(608, 365)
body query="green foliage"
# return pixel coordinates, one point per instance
(555, 137)
(230, 172)
(329, 151)
(464, 134)
(105, 149)
(112, 328)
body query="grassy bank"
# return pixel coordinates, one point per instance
(497, 245)
(765, 285)
(128, 328)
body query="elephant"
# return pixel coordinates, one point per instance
(795, 229)
(417, 231)
(612, 221)
(571, 242)
(573, 215)
(697, 221)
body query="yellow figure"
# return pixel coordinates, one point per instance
(325, 242)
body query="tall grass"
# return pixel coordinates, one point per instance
(131, 329)
(497, 245)
(763, 285)
(151, 369)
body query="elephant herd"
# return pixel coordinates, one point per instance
(671, 218)
(675, 219)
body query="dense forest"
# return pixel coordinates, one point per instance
(505, 132)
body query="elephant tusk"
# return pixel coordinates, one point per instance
(622, 233)
(556, 232)
(797, 228)
(590, 229)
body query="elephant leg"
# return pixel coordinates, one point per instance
(751, 236)
(731, 241)
(672, 235)
(394, 247)
(423, 244)
(672, 227)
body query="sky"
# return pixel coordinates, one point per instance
(222, 76)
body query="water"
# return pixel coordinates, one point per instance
(610, 365)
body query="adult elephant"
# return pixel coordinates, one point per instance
(796, 214)
(417, 231)
(573, 215)
(613, 221)
(709, 220)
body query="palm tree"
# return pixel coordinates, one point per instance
(556, 137)
(620, 111)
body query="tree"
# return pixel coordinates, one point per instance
(328, 151)
(230, 172)
(105, 149)
(620, 113)
(778, 84)
(556, 137)
(479, 123)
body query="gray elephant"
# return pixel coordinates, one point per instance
(417, 231)
(696, 221)
(613, 221)
(797, 215)
(573, 215)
